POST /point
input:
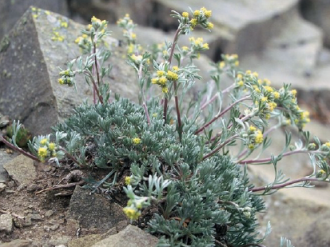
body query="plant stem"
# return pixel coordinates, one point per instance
(94, 86)
(280, 186)
(96, 65)
(10, 145)
(176, 36)
(221, 146)
(245, 162)
(221, 114)
(146, 112)
(217, 95)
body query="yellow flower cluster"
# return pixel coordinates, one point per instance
(127, 180)
(46, 148)
(255, 137)
(200, 17)
(231, 60)
(132, 213)
(163, 77)
(98, 25)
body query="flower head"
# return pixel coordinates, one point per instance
(132, 213)
(136, 140)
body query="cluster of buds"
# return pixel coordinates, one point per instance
(93, 33)
(289, 101)
(67, 77)
(231, 60)
(254, 136)
(199, 17)
(127, 24)
(46, 149)
(164, 77)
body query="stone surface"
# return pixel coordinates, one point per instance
(2, 187)
(11, 11)
(318, 12)
(93, 210)
(113, 10)
(6, 223)
(85, 241)
(21, 170)
(5, 157)
(131, 236)
(29, 90)
(17, 243)
(244, 25)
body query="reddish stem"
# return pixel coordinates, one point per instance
(220, 114)
(10, 145)
(280, 186)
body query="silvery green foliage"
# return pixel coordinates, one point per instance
(197, 202)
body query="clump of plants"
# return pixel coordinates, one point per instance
(183, 180)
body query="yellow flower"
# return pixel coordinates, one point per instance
(154, 80)
(89, 27)
(267, 82)
(276, 95)
(165, 90)
(272, 106)
(239, 76)
(172, 76)
(263, 99)
(252, 128)
(248, 72)
(127, 180)
(236, 63)
(251, 146)
(185, 14)
(255, 74)
(208, 13)
(43, 141)
(294, 92)
(268, 89)
(210, 25)
(259, 137)
(133, 36)
(154, 114)
(162, 80)
(175, 68)
(131, 213)
(42, 152)
(193, 22)
(136, 140)
(240, 83)
(94, 19)
(51, 146)
(185, 48)
(222, 65)
(160, 72)
(197, 13)
(206, 46)
(61, 81)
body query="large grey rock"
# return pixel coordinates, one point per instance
(29, 89)
(93, 210)
(318, 12)
(131, 236)
(111, 10)
(21, 170)
(243, 26)
(11, 11)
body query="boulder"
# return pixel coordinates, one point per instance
(110, 10)
(93, 210)
(242, 26)
(11, 11)
(21, 169)
(29, 90)
(318, 12)
(131, 236)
